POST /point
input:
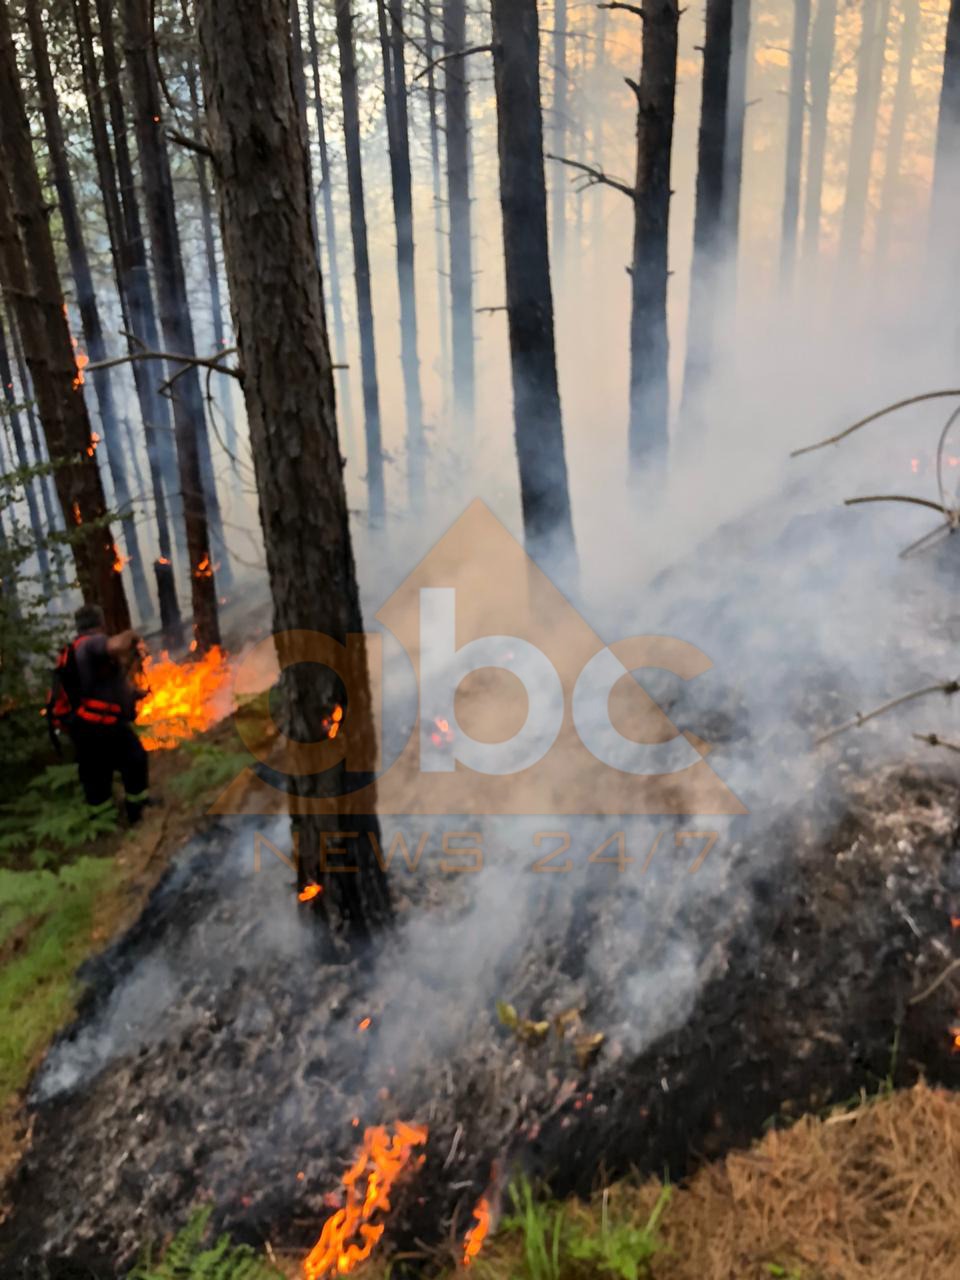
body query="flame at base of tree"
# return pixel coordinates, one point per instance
(473, 1241)
(350, 1235)
(184, 698)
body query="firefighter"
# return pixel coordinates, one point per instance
(94, 701)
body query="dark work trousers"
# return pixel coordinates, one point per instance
(106, 749)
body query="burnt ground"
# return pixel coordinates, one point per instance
(217, 1054)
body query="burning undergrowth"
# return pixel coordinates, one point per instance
(221, 1054)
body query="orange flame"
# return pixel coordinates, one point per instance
(442, 734)
(364, 1024)
(94, 437)
(204, 569)
(350, 1235)
(473, 1241)
(77, 517)
(81, 360)
(955, 1034)
(310, 892)
(119, 560)
(183, 698)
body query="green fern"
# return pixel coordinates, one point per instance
(210, 769)
(51, 817)
(187, 1257)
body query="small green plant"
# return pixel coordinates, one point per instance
(188, 1257)
(541, 1225)
(783, 1273)
(622, 1249)
(211, 767)
(50, 817)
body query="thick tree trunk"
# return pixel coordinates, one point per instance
(945, 198)
(23, 462)
(558, 145)
(123, 211)
(390, 16)
(708, 244)
(733, 150)
(458, 201)
(86, 300)
(334, 290)
(796, 108)
(37, 297)
(439, 221)
(649, 345)
(277, 300)
(189, 424)
(902, 102)
(361, 261)
(544, 492)
(822, 41)
(870, 60)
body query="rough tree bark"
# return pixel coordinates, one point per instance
(649, 344)
(458, 200)
(23, 461)
(822, 41)
(334, 291)
(361, 261)
(902, 101)
(390, 17)
(188, 415)
(946, 174)
(558, 145)
(86, 299)
(796, 108)
(544, 492)
(277, 300)
(708, 218)
(870, 60)
(733, 149)
(28, 269)
(439, 223)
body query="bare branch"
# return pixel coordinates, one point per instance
(880, 413)
(203, 362)
(934, 740)
(902, 497)
(446, 57)
(191, 144)
(951, 968)
(948, 687)
(595, 177)
(627, 8)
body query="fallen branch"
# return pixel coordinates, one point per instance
(937, 982)
(596, 177)
(947, 687)
(947, 512)
(873, 417)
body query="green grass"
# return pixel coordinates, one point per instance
(37, 984)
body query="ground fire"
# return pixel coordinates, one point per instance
(184, 698)
(350, 1235)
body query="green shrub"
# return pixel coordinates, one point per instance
(187, 1257)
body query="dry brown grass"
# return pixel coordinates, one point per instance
(868, 1194)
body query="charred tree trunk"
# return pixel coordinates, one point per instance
(86, 300)
(439, 225)
(361, 261)
(822, 41)
(902, 101)
(458, 201)
(23, 462)
(334, 289)
(945, 198)
(649, 344)
(796, 108)
(390, 16)
(559, 133)
(37, 296)
(708, 219)
(277, 300)
(870, 60)
(544, 492)
(123, 214)
(733, 150)
(189, 424)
